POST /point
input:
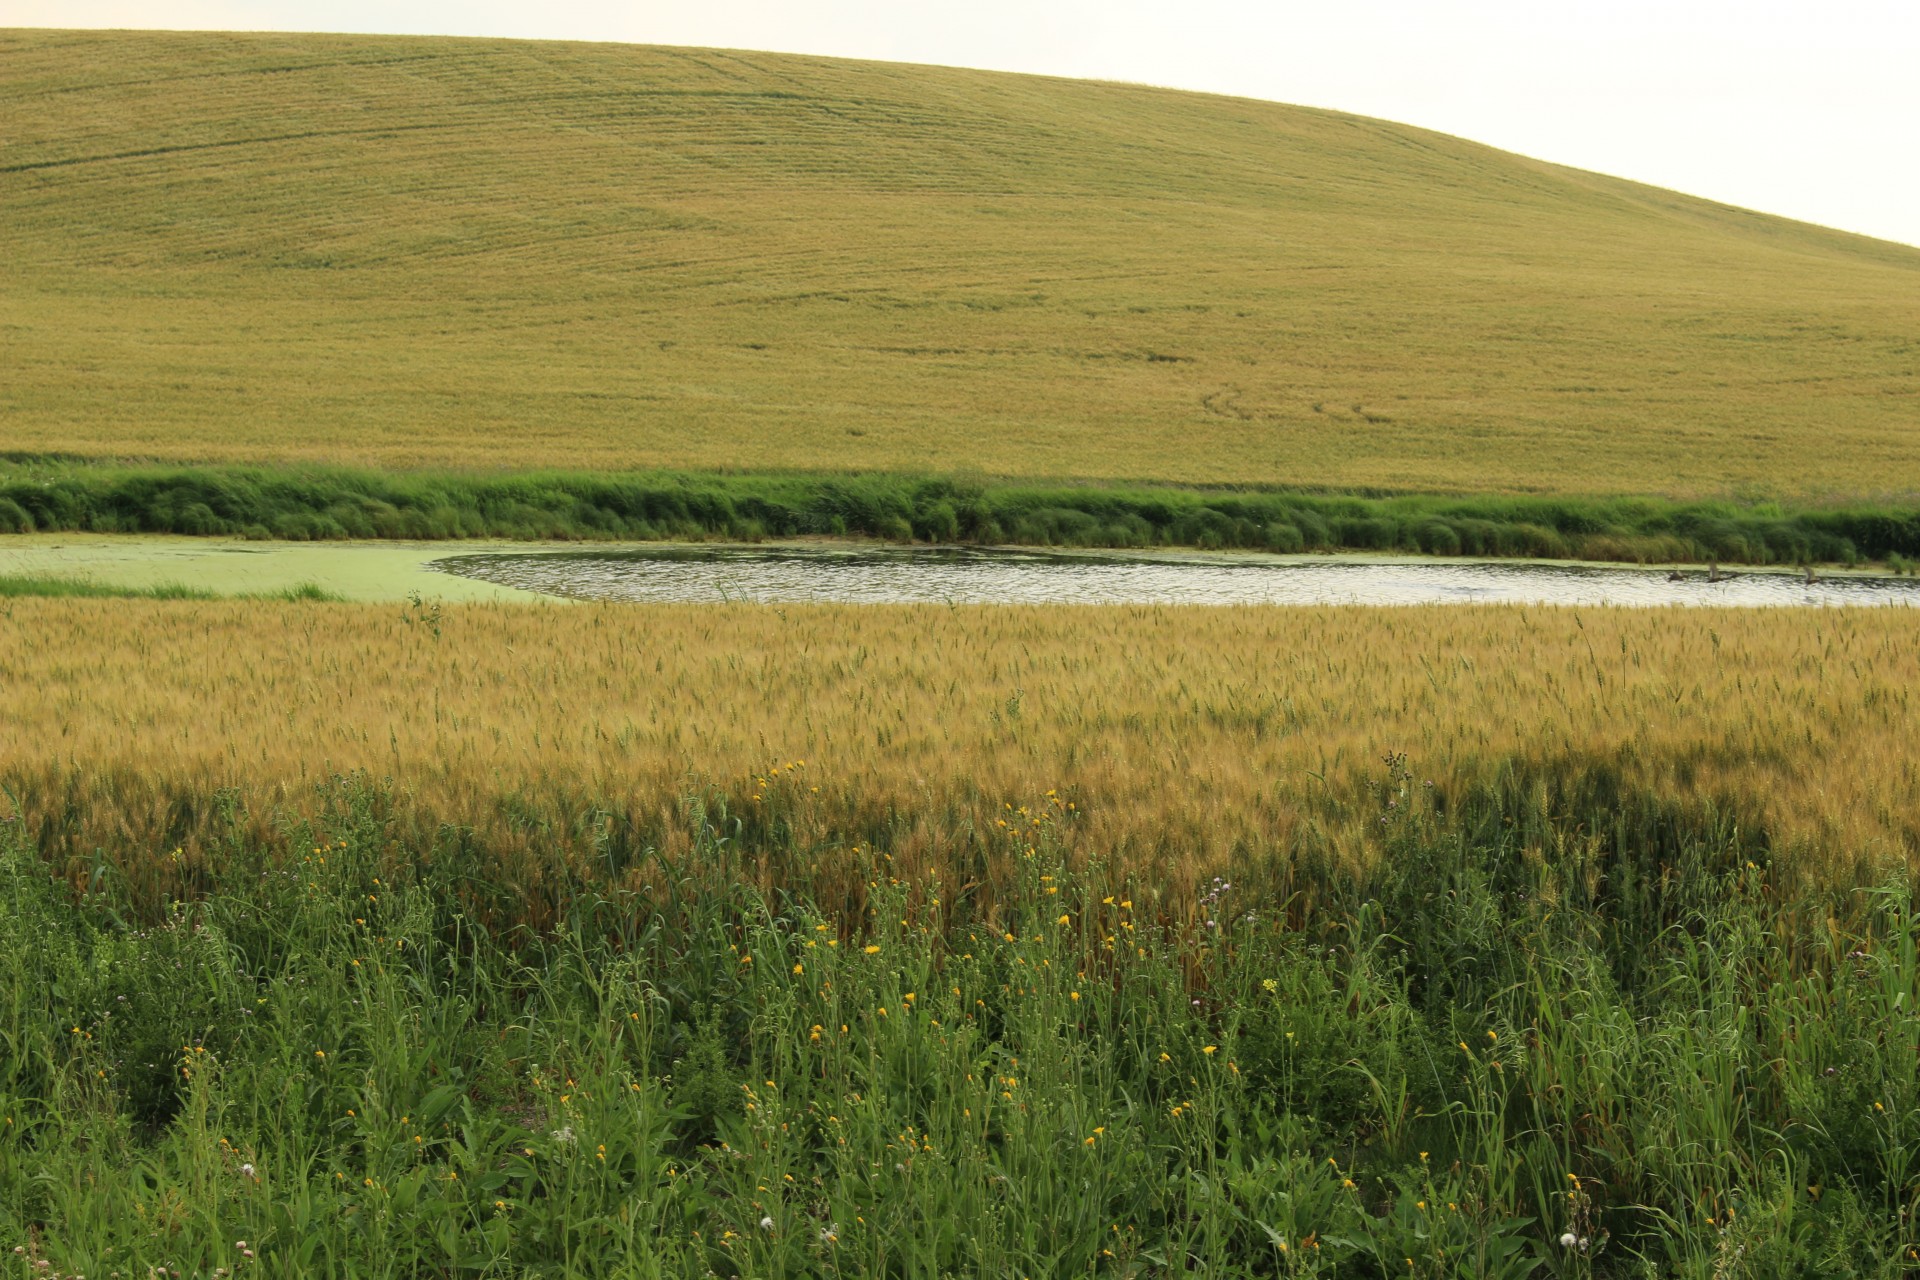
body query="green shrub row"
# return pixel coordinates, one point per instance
(339, 504)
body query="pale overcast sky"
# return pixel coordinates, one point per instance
(1809, 109)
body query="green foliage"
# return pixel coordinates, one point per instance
(15, 585)
(306, 591)
(304, 504)
(320, 1063)
(20, 585)
(705, 1090)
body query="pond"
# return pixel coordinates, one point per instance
(970, 576)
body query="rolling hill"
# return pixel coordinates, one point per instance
(495, 255)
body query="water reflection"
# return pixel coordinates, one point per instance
(968, 576)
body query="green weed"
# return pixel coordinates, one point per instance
(319, 1064)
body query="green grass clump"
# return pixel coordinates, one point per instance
(324, 504)
(17, 586)
(301, 591)
(14, 586)
(515, 255)
(322, 1063)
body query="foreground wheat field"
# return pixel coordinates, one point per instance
(430, 940)
(501, 255)
(1188, 741)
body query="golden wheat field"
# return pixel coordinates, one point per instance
(1183, 738)
(413, 252)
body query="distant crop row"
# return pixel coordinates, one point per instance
(333, 504)
(1186, 740)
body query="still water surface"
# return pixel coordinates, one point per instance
(969, 576)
